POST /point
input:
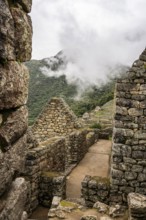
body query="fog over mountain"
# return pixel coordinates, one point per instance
(96, 36)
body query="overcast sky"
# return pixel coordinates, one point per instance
(98, 32)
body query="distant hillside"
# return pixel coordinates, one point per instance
(42, 88)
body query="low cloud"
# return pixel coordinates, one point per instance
(96, 36)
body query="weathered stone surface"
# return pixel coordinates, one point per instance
(57, 119)
(95, 189)
(55, 202)
(6, 33)
(12, 162)
(142, 177)
(140, 135)
(15, 44)
(130, 175)
(116, 211)
(127, 103)
(135, 112)
(117, 174)
(89, 217)
(137, 206)
(14, 126)
(13, 85)
(129, 136)
(121, 110)
(26, 5)
(24, 216)
(15, 201)
(23, 34)
(101, 207)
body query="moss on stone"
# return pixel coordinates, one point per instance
(50, 174)
(102, 180)
(65, 203)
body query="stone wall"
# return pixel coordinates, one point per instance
(78, 143)
(49, 163)
(56, 119)
(15, 47)
(128, 162)
(51, 184)
(47, 157)
(95, 189)
(128, 159)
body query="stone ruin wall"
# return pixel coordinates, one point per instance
(15, 48)
(49, 163)
(128, 161)
(57, 119)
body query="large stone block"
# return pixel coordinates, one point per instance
(13, 85)
(26, 5)
(14, 126)
(6, 33)
(137, 206)
(15, 201)
(12, 162)
(135, 112)
(23, 34)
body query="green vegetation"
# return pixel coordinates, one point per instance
(96, 125)
(104, 180)
(65, 203)
(43, 88)
(93, 97)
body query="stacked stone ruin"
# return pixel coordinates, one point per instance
(22, 155)
(128, 162)
(56, 119)
(15, 48)
(61, 144)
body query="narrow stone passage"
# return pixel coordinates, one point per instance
(95, 163)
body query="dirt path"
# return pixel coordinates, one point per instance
(95, 163)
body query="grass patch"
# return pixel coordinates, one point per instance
(96, 125)
(65, 203)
